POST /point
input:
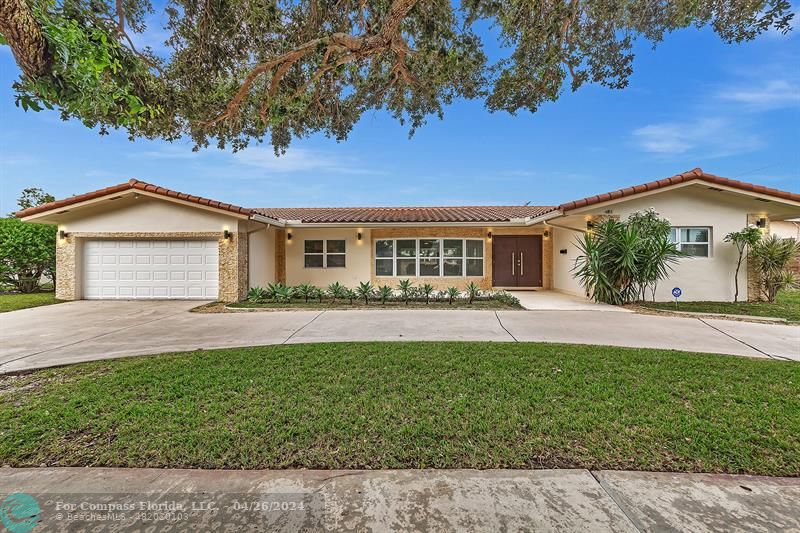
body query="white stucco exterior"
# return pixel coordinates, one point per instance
(358, 259)
(261, 263)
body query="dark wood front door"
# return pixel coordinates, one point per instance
(517, 261)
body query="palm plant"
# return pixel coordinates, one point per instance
(404, 286)
(473, 291)
(336, 290)
(452, 293)
(257, 294)
(743, 240)
(621, 261)
(283, 293)
(350, 294)
(771, 256)
(305, 291)
(384, 293)
(365, 290)
(427, 290)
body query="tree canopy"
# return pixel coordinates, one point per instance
(239, 70)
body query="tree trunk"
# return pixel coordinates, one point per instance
(736, 279)
(25, 37)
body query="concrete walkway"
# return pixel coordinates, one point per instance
(405, 500)
(545, 300)
(88, 330)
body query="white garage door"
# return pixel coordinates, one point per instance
(150, 269)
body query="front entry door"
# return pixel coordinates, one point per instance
(517, 261)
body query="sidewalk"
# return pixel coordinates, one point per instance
(420, 500)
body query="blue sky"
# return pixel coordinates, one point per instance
(733, 110)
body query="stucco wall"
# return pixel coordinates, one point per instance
(357, 260)
(563, 277)
(699, 278)
(261, 263)
(145, 214)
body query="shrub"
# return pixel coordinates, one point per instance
(452, 293)
(365, 290)
(384, 293)
(508, 299)
(283, 293)
(350, 294)
(257, 295)
(473, 291)
(427, 290)
(771, 256)
(405, 286)
(336, 290)
(621, 261)
(27, 252)
(306, 291)
(743, 240)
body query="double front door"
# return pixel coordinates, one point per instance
(517, 261)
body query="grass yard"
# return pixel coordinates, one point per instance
(410, 405)
(787, 305)
(13, 302)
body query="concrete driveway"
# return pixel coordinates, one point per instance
(88, 330)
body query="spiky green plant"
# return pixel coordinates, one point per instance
(771, 256)
(427, 290)
(257, 295)
(306, 291)
(365, 290)
(350, 294)
(283, 293)
(473, 291)
(452, 293)
(336, 290)
(384, 293)
(404, 286)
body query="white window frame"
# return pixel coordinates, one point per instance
(441, 257)
(679, 242)
(325, 253)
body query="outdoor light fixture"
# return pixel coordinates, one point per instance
(359, 235)
(288, 236)
(589, 225)
(62, 234)
(547, 234)
(490, 235)
(761, 223)
(226, 234)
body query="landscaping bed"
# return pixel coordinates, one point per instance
(786, 306)
(410, 405)
(16, 301)
(392, 304)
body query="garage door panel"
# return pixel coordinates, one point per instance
(151, 269)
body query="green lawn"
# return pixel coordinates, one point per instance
(787, 305)
(410, 405)
(12, 302)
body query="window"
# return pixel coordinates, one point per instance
(429, 257)
(324, 253)
(694, 242)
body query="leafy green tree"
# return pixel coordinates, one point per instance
(241, 70)
(27, 253)
(621, 261)
(743, 240)
(33, 196)
(771, 256)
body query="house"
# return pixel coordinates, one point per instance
(138, 240)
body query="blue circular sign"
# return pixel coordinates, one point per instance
(676, 292)
(19, 512)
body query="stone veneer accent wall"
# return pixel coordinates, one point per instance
(464, 232)
(232, 260)
(753, 290)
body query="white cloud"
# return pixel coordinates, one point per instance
(715, 137)
(772, 94)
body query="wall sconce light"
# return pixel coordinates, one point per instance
(589, 225)
(489, 235)
(547, 234)
(62, 234)
(761, 223)
(288, 236)
(563, 251)
(226, 235)
(358, 235)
